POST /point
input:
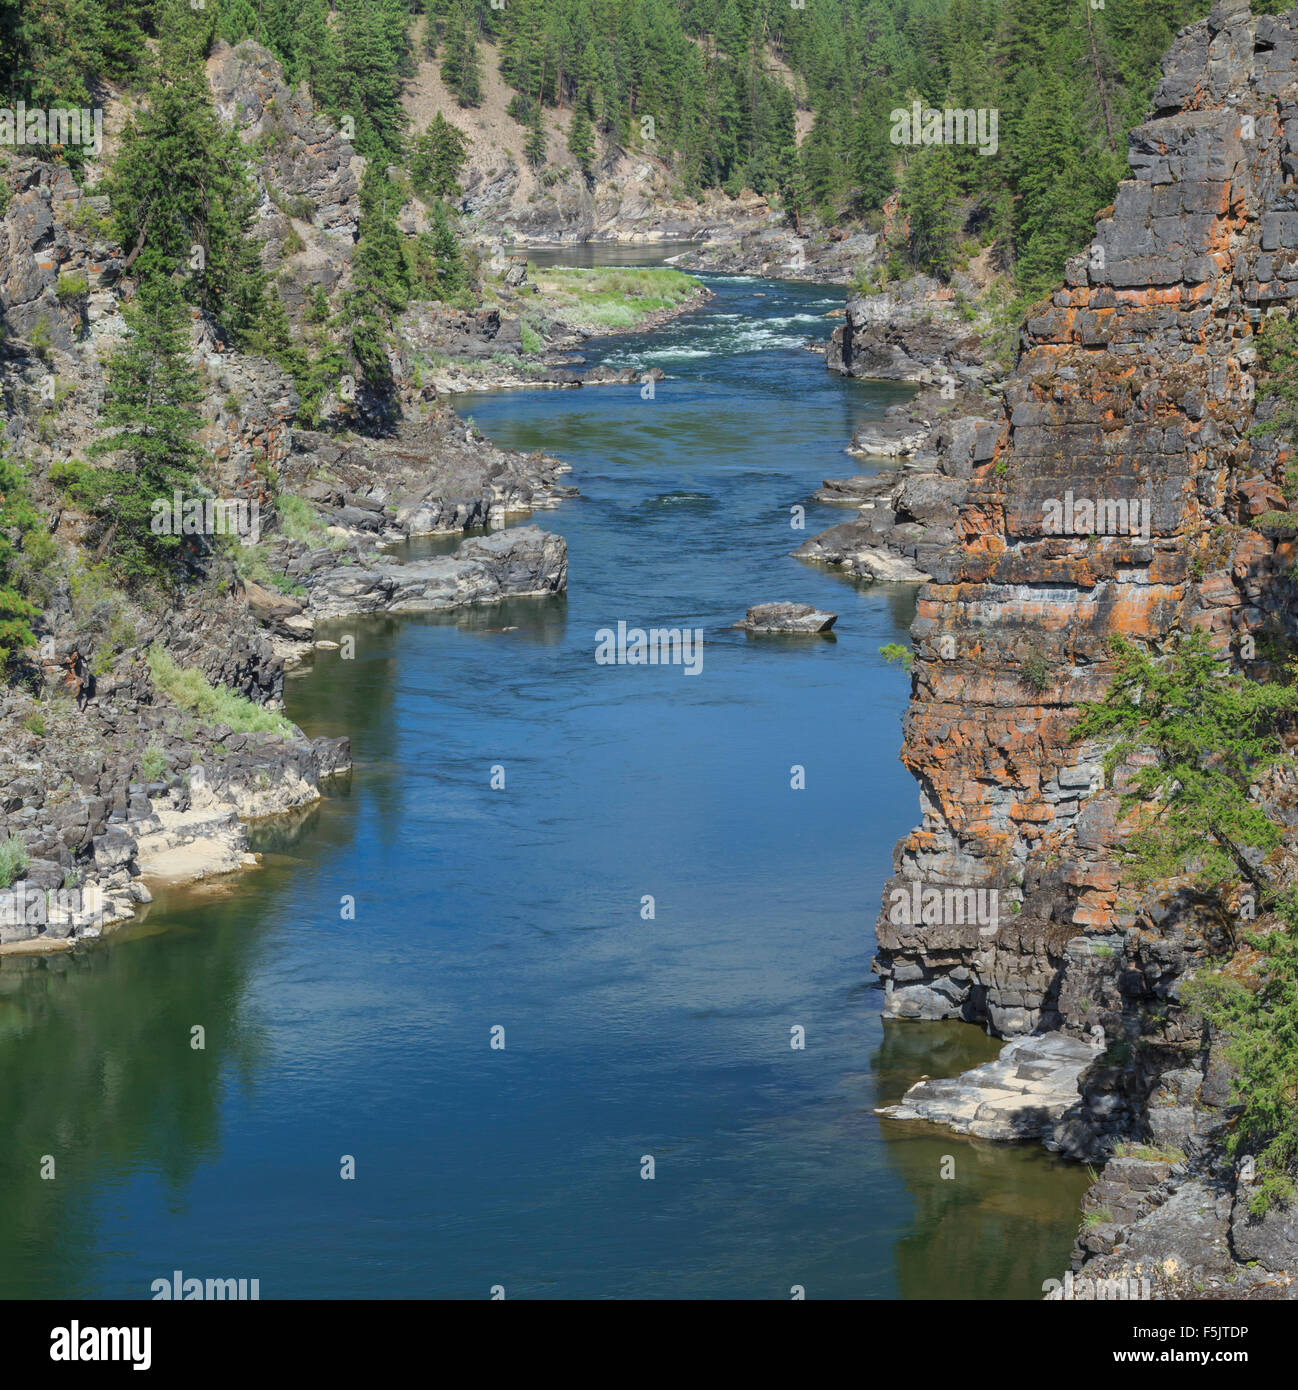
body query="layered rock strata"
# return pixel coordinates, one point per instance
(1122, 496)
(1132, 394)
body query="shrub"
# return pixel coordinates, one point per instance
(16, 516)
(71, 288)
(895, 651)
(39, 339)
(300, 521)
(102, 608)
(1216, 735)
(153, 763)
(250, 563)
(1253, 1003)
(34, 723)
(1035, 672)
(13, 860)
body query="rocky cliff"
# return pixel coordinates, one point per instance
(1133, 393)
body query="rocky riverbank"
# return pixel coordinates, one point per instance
(145, 728)
(117, 774)
(1133, 381)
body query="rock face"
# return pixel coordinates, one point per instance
(1133, 393)
(306, 156)
(1131, 388)
(911, 333)
(787, 618)
(743, 244)
(906, 517)
(434, 477)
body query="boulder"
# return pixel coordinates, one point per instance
(787, 618)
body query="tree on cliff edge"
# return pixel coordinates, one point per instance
(151, 409)
(1216, 735)
(16, 517)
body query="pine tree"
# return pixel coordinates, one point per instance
(16, 517)
(182, 201)
(534, 147)
(449, 262)
(437, 159)
(792, 183)
(380, 278)
(150, 407)
(461, 66)
(930, 197)
(1051, 177)
(374, 57)
(581, 141)
(873, 156)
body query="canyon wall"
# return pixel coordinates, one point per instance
(1135, 385)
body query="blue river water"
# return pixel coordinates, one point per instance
(516, 913)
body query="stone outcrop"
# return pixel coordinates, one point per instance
(1134, 391)
(1022, 1094)
(1131, 386)
(435, 476)
(94, 824)
(519, 563)
(787, 618)
(914, 331)
(748, 239)
(906, 515)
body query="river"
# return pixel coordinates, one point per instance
(520, 908)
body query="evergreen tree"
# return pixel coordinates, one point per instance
(380, 278)
(16, 518)
(534, 147)
(1051, 177)
(873, 156)
(182, 201)
(461, 66)
(374, 57)
(450, 269)
(792, 184)
(930, 198)
(150, 408)
(437, 158)
(581, 141)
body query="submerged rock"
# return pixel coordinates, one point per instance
(787, 617)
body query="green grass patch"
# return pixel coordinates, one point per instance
(612, 296)
(191, 690)
(300, 521)
(251, 564)
(1150, 1153)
